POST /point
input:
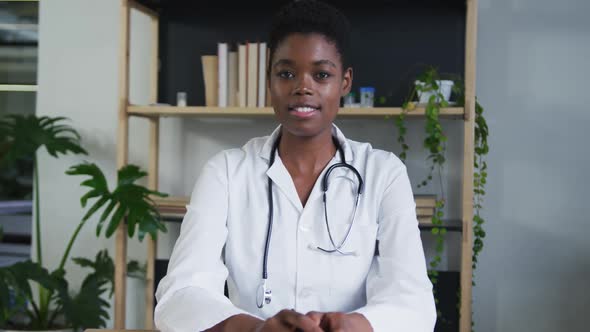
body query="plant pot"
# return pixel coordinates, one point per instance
(135, 304)
(445, 87)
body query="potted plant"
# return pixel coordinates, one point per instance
(57, 306)
(20, 138)
(434, 93)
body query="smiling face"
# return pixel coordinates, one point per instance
(306, 82)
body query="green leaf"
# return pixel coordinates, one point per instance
(27, 133)
(102, 201)
(116, 220)
(127, 198)
(103, 268)
(104, 216)
(86, 309)
(16, 280)
(136, 270)
(129, 174)
(84, 262)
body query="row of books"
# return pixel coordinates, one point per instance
(175, 207)
(236, 77)
(171, 207)
(425, 208)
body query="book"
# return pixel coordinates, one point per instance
(261, 74)
(232, 68)
(252, 88)
(424, 212)
(210, 69)
(172, 216)
(425, 200)
(171, 201)
(268, 103)
(222, 74)
(425, 220)
(171, 207)
(242, 74)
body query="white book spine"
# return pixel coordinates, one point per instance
(232, 90)
(251, 99)
(262, 75)
(222, 74)
(242, 76)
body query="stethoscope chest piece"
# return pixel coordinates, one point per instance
(263, 295)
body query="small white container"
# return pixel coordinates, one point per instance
(181, 99)
(367, 96)
(446, 86)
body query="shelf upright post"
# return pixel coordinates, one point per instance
(468, 168)
(153, 174)
(122, 157)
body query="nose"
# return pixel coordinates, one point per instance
(303, 86)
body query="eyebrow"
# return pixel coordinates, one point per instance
(315, 63)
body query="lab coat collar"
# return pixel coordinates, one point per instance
(267, 147)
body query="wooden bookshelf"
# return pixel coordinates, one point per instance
(182, 61)
(163, 111)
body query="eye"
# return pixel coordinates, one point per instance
(323, 75)
(285, 74)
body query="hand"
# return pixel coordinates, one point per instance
(340, 322)
(288, 320)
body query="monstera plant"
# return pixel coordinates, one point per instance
(57, 305)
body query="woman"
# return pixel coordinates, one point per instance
(295, 258)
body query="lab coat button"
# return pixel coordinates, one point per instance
(304, 228)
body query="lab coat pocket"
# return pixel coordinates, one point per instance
(349, 272)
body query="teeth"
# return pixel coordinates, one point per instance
(304, 109)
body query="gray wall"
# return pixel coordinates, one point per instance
(532, 78)
(531, 70)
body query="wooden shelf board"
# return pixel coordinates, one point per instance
(203, 111)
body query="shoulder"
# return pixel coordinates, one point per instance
(375, 159)
(235, 156)
(381, 169)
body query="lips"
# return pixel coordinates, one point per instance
(303, 110)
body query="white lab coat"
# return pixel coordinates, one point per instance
(224, 231)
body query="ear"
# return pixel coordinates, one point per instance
(346, 82)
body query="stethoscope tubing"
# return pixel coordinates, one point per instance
(265, 294)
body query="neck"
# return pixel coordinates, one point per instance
(307, 153)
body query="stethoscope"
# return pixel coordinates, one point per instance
(264, 294)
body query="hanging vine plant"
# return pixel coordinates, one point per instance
(480, 176)
(435, 143)
(480, 173)
(428, 83)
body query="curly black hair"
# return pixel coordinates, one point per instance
(307, 17)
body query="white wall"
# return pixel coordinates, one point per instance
(532, 78)
(77, 79)
(531, 72)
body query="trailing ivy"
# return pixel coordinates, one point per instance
(480, 176)
(435, 144)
